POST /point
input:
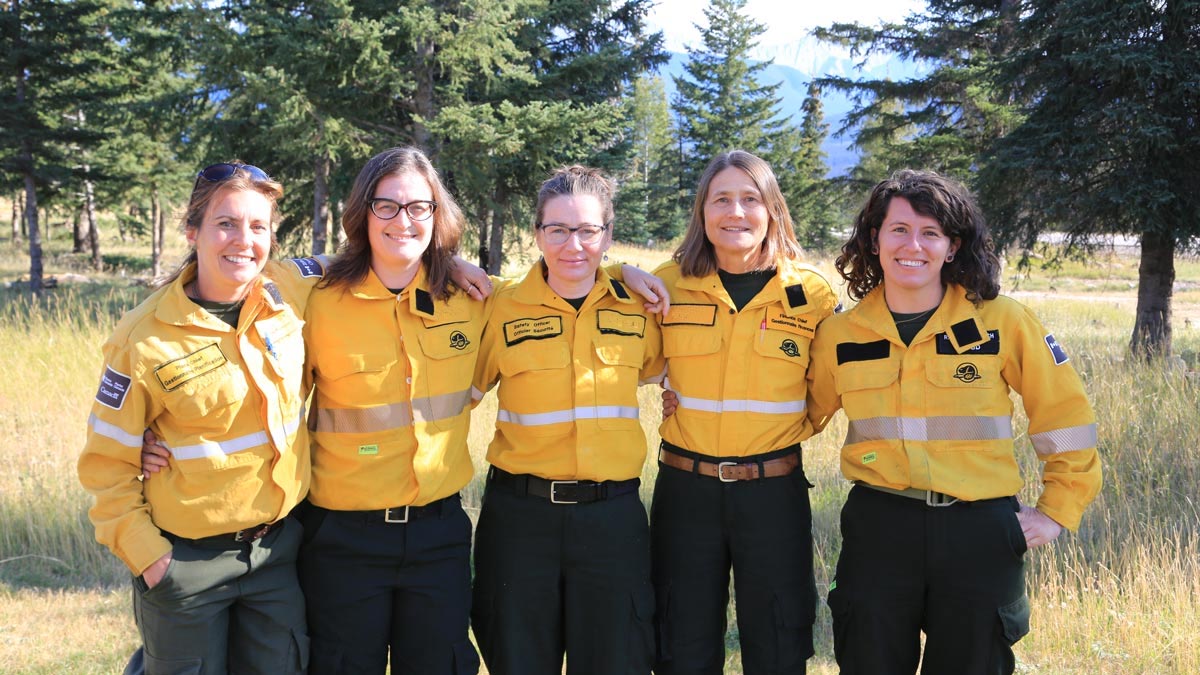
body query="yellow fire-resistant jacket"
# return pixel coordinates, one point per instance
(228, 404)
(936, 415)
(568, 406)
(740, 376)
(393, 393)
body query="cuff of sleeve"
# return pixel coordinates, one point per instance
(141, 550)
(1067, 517)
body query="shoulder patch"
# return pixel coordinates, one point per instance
(539, 328)
(424, 301)
(965, 332)
(113, 388)
(849, 352)
(612, 322)
(273, 291)
(796, 296)
(172, 374)
(1060, 354)
(619, 289)
(992, 346)
(683, 314)
(309, 267)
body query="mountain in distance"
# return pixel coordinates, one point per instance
(793, 66)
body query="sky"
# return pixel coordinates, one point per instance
(787, 21)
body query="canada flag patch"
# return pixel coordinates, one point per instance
(1060, 355)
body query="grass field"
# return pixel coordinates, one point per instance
(1121, 596)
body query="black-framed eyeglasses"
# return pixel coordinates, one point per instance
(386, 209)
(559, 234)
(216, 173)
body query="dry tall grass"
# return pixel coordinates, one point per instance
(1121, 596)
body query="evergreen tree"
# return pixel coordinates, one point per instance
(648, 201)
(720, 103)
(800, 165)
(1110, 141)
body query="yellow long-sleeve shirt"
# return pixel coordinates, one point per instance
(740, 375)
(393, 393)
(936, 415)
(568, 405)
(226, 402)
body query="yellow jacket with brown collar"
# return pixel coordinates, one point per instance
(568, 406)
(739, 375)
(936, 415)
(227, 403)
(393, 394)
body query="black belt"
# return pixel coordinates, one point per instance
(399, 515)
(561, 491)
(930, 497)
(244, 536)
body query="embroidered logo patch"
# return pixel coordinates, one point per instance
(1060, 354)
(309, 267)
(797, 325)
(113, 388)
(532, 329)
(967, 372)
(172, 374)
(458, 340)
(790, 348)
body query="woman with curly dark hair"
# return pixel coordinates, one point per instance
(933, 535)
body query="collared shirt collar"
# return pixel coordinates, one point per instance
(534, 290)
(178, 309)
(956, 316)
(786, 287)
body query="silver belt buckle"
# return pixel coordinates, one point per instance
(387, 515)
(554, 491)
(938, 499)
(721, 472)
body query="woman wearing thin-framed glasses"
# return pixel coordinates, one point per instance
(562, 552)
(212, 363)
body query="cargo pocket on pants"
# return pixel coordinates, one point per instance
(298, 659)
(1014, 619)
(157, 666)
(793, 631)
(642, 648)
(466, 659)
(842, 613)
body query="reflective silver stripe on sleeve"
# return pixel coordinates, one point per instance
(742, 405)
(948, 428)
(570, 415)
(476, 394)
(221, 448)
(1069, 439)
(364, 420)
(443, 406)
(116, 433)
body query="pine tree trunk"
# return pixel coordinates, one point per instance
(496, 236)
(155, 235)
(18, 219)
(1156, 280)
(485, 225)
(25, 159)
(320, 234)
(79, 226)
(89, 208)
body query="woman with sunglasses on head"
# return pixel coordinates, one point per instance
(385, 564)
(212, 363)
(562, 553)
(731, 490)
(933, 538)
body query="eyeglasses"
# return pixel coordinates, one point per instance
(559, 234)
(387, 209)
(225, 170)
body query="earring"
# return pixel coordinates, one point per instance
(605, 257)
(875, 249)
(950, 258)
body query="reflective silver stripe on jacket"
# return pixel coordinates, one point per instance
(116, 433)
(1069, 439)
(946, 428)
(220, 448)
(569, 415)
(742, 405)
(393, 415)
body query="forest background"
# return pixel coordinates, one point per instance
(1075, 121)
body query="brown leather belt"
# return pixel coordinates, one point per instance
(730, 472)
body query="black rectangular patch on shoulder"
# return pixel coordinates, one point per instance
(424, 301)
(619, 289)
(849, 352)
(992, 346)
(965, 332)
(796, 296)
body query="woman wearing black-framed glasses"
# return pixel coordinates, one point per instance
(211, 363)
